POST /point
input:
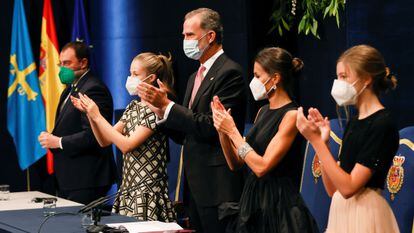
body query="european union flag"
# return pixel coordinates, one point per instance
(80, 27)
(25, 109)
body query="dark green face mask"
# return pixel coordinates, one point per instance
(66, 75)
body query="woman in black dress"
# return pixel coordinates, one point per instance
(270, 201)
(369, 144)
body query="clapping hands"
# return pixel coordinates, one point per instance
(86, 105)
(223, 121)
(314, 126)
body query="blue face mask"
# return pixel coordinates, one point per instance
(192, 50)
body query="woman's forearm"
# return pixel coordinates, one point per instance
(257, 163)
(345, 183)
(327, 183)
(230, 153)
(110, 134)
(102, 140)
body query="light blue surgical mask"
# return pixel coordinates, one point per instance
(192, 50)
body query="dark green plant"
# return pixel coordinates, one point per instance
(285, 13)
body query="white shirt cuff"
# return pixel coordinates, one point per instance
(166, 113)
(60, 143)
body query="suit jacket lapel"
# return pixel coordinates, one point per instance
(62, 112)
(63, 97)
(189, 89)
(208, 80)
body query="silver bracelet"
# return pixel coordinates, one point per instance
(243, 150)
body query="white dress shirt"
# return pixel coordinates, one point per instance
(208, 64)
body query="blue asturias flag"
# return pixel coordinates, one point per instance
(80, 27)
(25, 109)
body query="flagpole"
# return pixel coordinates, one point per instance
(28, 179)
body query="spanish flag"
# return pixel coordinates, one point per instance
(48, 72)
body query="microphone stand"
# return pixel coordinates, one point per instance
(97, 212)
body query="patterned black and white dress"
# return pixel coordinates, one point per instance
(146, 167)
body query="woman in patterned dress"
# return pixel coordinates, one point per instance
(144, 147)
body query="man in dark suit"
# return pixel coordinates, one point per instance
(84, 171)
(210, 181)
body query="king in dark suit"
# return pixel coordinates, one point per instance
(84, 171)
(209, 180)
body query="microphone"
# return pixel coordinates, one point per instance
(102, 200)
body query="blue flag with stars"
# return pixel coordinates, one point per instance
(80, 29)
(25, 108)
(80, 26)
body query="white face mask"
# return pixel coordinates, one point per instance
(192, 50)
(345, 93)
(132, 84)
(258, 89)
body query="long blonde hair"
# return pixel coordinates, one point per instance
(366, 60)
(159, 65)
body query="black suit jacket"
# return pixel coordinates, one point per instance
(210, 180)
(82, 163)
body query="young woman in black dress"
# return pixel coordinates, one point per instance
(270, 201)
(369, 144)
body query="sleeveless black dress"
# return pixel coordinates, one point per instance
(272, 203)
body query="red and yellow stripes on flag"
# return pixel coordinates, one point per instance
(50, 84)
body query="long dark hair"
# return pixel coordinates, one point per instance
(278, 60)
